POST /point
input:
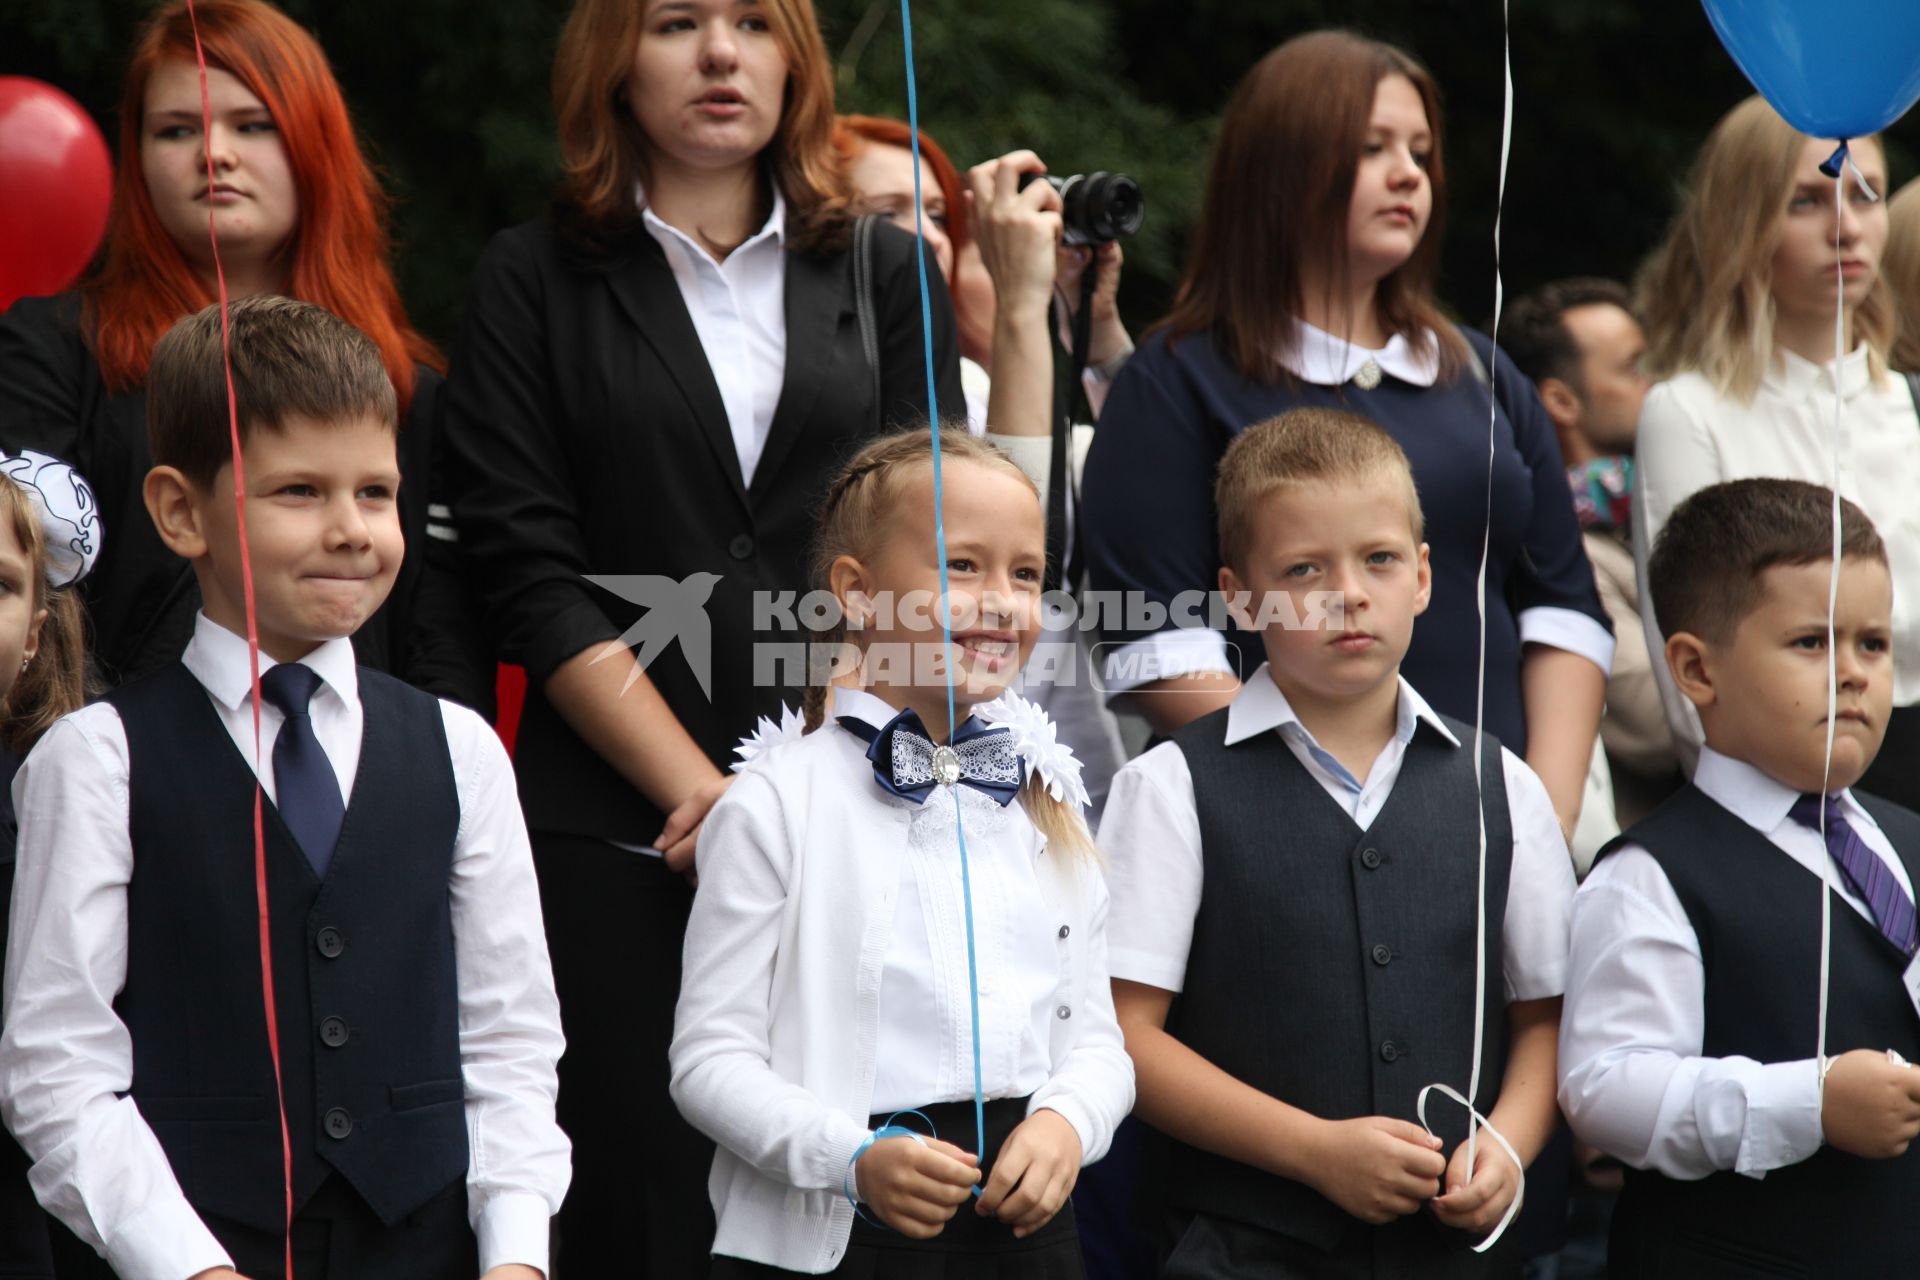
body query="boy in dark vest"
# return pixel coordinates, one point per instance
(1296, 905)
(413, 1001)
(1693, 987)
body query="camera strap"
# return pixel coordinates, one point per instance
(1066, 400)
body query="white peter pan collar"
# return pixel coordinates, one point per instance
(1327, 360)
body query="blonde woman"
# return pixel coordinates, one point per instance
(1902, 270)
(1739, 310)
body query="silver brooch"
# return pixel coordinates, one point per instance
(946, 766)
(1369, 376)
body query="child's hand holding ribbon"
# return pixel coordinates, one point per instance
(915, 1184)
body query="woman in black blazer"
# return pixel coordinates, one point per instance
(652, 388)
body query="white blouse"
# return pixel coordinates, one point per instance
(739, 310)
(1692, 437)
(925, 1048)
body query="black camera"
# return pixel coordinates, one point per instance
(1096, 207)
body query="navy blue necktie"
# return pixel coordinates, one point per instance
(306, 791)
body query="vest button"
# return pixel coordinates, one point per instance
(1382, 953)
(338, 1123)
(333, 1032)
(1389, 1050)
(1370, 859)
(1063, 1013)
(741, 547)
(1064, 930)
(330, 943)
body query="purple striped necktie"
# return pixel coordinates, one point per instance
(1870, 878)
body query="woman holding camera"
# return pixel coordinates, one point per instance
(998, 246)
(654, 382)
(1334, 140)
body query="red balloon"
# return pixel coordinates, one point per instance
(56, 179)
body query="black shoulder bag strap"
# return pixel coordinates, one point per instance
(863, 307)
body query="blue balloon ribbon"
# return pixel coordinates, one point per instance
(940, 543)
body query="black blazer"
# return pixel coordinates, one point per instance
(585, 435)
(140, 597)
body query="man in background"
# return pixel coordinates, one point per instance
(1579, 342)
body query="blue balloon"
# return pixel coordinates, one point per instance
(1831, 68)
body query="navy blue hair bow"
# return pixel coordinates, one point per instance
(908, 763)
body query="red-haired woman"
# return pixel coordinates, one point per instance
(653, 386)
(297, 212)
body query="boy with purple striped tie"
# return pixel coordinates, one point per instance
(1693, 991)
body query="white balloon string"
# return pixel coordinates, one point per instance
(1833, 584)
(1476, 1120)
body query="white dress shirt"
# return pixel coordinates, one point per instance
(1151, 839)
(1327, 360)
(1632, 1081)
(1691, 437)
(66, 1060)
(820, 891)
(739, 309)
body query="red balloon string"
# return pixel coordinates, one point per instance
(253, 653)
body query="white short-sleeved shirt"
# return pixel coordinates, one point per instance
(1150, 837)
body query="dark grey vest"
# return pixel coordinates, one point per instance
(363, 962)
(1756, 913)
(1332, 967)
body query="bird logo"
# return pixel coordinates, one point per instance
(674, 611)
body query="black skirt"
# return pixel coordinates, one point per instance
(971, 1247)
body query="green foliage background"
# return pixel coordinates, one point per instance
(453, 99)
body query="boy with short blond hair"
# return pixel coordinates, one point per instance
(1693, 989)
(1295, 899)
(413, 1001)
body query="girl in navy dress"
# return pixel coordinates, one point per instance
(49, 538)
(1311, 283)
(827, 975)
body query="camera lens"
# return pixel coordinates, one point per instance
(1105, 206)
(1097, 207)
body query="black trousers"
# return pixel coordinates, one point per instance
(336, 1236)
(1210, 1248)
(971, 1247)
(638, 1207)
(24, 1251)
(1895, 772)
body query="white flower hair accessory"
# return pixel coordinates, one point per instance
(1037, 740)
(68, 512)
(767, 734)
